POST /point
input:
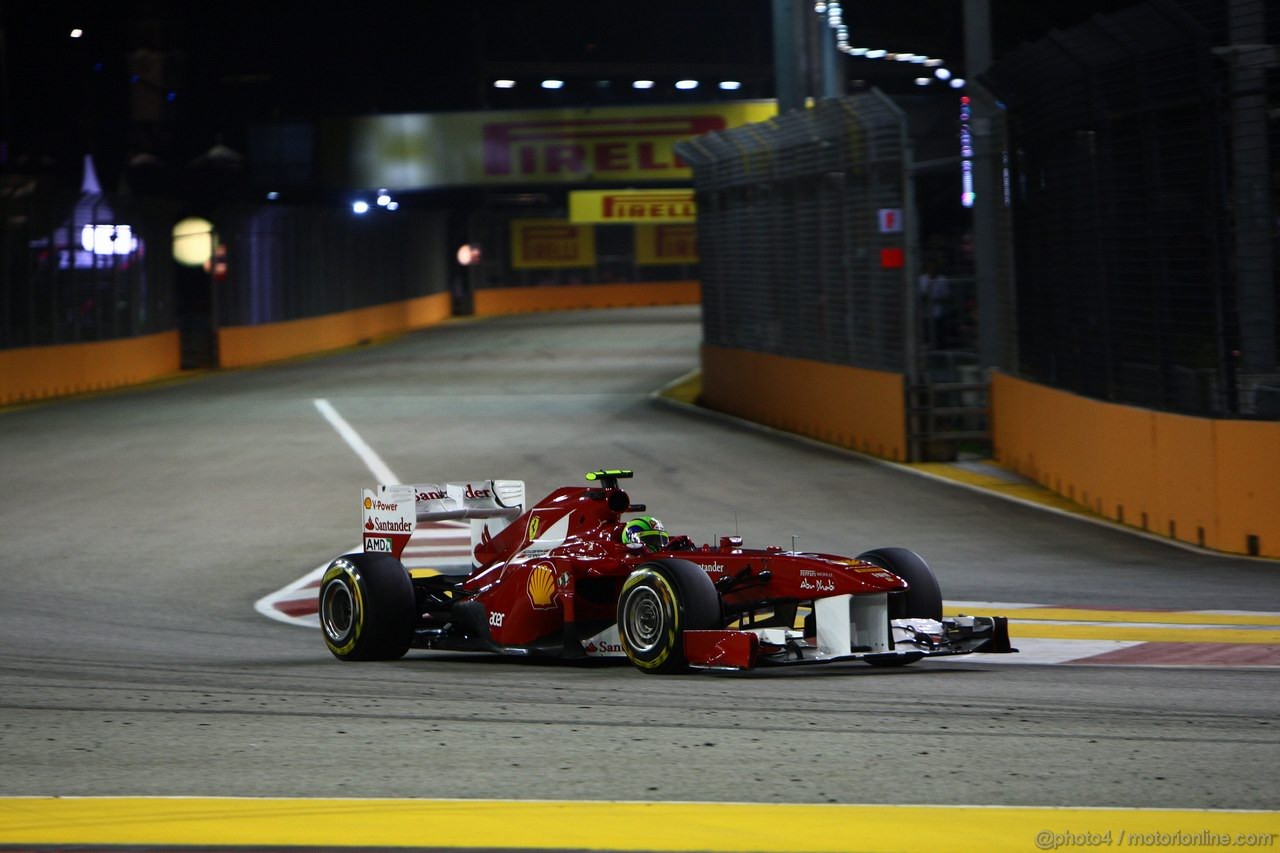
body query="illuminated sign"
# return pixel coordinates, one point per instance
(620, 206)
(551, 244)
(666, 244)
(601, 146)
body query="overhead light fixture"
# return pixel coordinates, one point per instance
(76, 33)
(360, 207)
(877, 54)
(957, 83)
(686, 84)
(393, 205)
(933, 63)
(942, 73)
(504, 84)
(384, 200)
(923, 81)
(553, 84)
(642, 84)
(730, 85)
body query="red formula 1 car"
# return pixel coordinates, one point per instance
(572, 577)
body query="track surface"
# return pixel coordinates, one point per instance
(139, 529)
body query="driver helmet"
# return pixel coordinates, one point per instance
(647, 531)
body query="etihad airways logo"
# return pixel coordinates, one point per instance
(598, 147)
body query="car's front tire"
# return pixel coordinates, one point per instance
(658, 603)
(922, 599)
(367, 607)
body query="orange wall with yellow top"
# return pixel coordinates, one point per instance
(245, 346)
(1209, 482)
(563, 297)
(35, 373)
(847, 406)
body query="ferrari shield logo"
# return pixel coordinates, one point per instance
(534, 524)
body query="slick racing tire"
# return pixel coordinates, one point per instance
(367, 607)
(923, 599)
(659, 602)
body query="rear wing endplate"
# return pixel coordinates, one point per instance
(392, 512)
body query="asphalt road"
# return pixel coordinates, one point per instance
(138, 529)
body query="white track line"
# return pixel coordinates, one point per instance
(381, 473)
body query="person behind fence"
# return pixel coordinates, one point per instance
(935, 306)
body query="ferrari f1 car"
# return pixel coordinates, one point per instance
(572, 577)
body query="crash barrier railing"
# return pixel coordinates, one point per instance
(1141, 179)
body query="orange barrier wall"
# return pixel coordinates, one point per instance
(846, 406)
(1209, 482)
(33, 373)
(563, 297)
(244, 346)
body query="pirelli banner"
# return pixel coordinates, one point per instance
(666, 244)
(610, 145)
(614, 207)
(551, 243)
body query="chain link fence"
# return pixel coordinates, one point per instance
(78, 267)
(795, 260)
(287, 263)
(1143, 181)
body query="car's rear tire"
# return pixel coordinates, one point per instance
(922, 600)
(658, 603)
(367, 607)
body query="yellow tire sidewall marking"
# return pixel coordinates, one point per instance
(667, 594)
(351, 579)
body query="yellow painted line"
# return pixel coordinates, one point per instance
(1073, 614)
(1031, 492)
(1143, 634)
(499, 824)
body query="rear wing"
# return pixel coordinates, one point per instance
(391, 513)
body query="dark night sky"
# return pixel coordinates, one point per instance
(237, 62)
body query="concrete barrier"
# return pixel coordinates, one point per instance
(1213, 483)
(563, 297)
(35, 373)
(245, 346)
(847, 406)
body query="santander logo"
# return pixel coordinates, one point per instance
(476, 494)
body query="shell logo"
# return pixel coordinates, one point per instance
(542, 586)
(368, 503)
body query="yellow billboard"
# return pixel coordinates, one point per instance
(623, 206)
(551, 244)
(666, 244)
(607, 145)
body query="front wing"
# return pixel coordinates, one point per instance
(866, 633)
